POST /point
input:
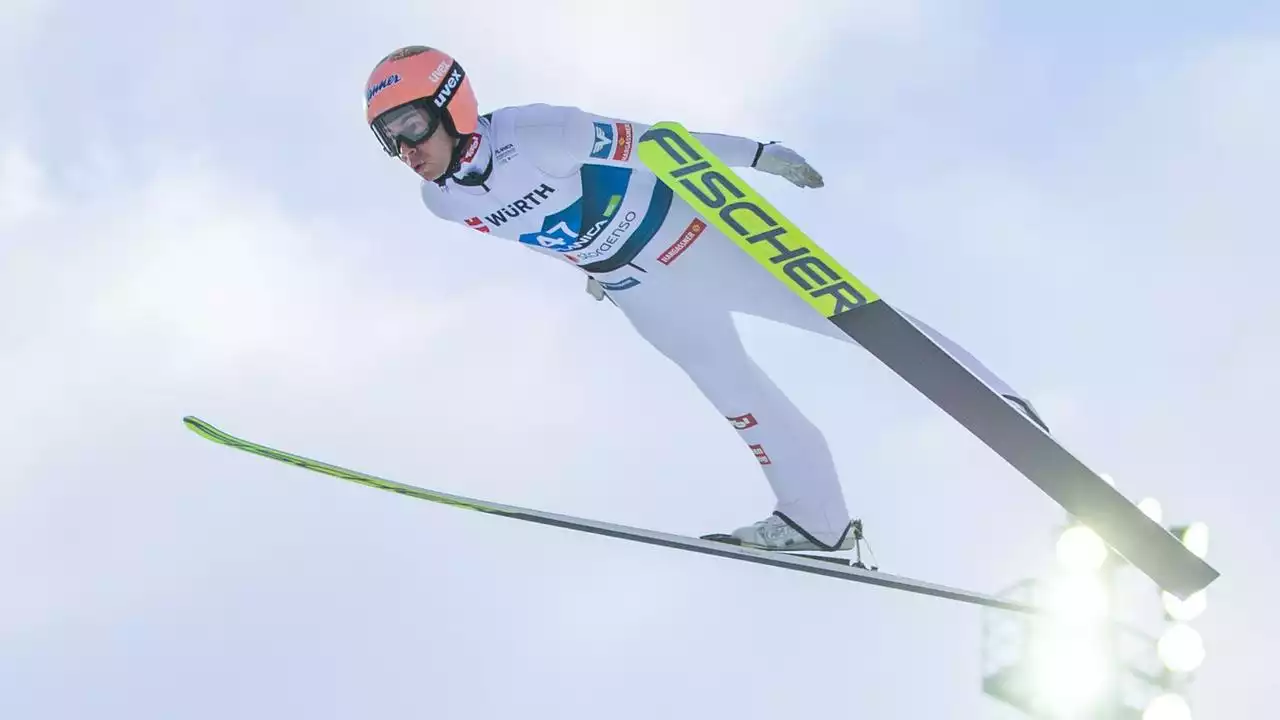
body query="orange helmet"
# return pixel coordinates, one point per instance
(421, 81)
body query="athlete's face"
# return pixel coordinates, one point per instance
(429, 158)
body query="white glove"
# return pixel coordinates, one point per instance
(781, 160)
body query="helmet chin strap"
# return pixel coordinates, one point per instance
(455, 164)
(455, 161)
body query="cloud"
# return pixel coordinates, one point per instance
(20, 21)
(669, 59)
(194, 292)
(22, 25)
(24, 192)
(192, 280)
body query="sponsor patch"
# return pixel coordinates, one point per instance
(626, 139)
(604, 140)
(383, 85)
(760, 455)
(613, 141)
(687, 237)
(742, 422)
(476, 223)
(527, 203)
(623, 284)
(470, 154)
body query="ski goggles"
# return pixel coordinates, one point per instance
(410, 123)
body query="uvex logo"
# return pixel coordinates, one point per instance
(439, 71)
(446, 91)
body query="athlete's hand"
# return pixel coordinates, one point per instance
(781, 160)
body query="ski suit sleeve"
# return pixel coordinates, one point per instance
(562, 139)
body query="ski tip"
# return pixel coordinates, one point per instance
(202, 428)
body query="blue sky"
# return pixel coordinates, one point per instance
(194, 220)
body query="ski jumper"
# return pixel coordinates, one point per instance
(568, 183)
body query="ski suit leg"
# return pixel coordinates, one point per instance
(702, 340)
(687, 318)
(682, 305)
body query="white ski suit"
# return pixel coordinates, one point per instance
(568, 183)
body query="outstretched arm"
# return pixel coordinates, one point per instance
(564, 138)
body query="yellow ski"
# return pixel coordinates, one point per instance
(725, 201)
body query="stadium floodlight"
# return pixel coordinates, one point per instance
(1196, 537)
(1070, 671)
(1074, 662)
(1080, 549)
(1076, 598)
(1070, 665)
(1169, 706)
(1185, 610)
(1181, 648)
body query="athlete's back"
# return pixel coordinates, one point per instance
(563, 181)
